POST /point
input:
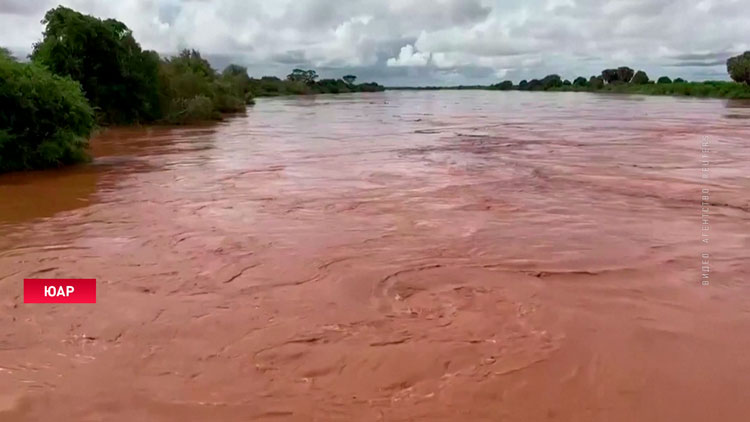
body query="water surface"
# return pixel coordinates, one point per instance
(451, 255)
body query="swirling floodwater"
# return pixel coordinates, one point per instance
(397, 256)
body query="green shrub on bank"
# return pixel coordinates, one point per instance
(192, 91)
(303, 83)
(739, 68)
(45, 120)
(118, 78)
(709, 89)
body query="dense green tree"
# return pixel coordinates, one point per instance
(45, 120)
(622, 74)
(596, 82)
(304, 76)
(580, 81)
(567, 83)
(679, 81)
(610, 75)
(349, 79)
(625, 74)
(191, 90)
(332, 86)
(370, 87)
(640, 78)
(535, 85)
(5, 52)
(523, 85)
(190, 60)
(664, 80)
(505, 86)
(236, 76)
(739, 68)
(551, 81)
(119, 79)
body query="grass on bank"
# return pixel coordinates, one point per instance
(708, 89)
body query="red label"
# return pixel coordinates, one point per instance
(59, 290)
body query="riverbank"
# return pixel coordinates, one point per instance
(708, 89)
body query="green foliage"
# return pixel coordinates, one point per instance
(304, 76)
(567, 83)
(119, 79)
(191, 90)
(535, 85)
(271, 86)
(45, 120)
(190, 61)
(622, 74)
(679, 81)
(664, 80)
(349, 79)
(370, 87)
(640, 78)
(236, 76)
(551, 81)
(596, 82)
(503, 86)
(5, 52)
(333, 86)
(625, 74)
(580, 81)
(609, 75)
(739, 68)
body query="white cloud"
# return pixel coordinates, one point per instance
(387, 40)
(409, 57)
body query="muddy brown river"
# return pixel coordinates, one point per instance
(397, 256)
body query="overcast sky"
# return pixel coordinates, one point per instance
(424, 42)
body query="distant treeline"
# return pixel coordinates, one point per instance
(626, 80)
(87, 71)
(303, 82)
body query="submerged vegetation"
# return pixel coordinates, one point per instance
(87, 71)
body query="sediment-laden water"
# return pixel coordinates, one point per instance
(435, 256)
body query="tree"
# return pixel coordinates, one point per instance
(349, 79)
(640, 78)
(580, 81)
(625, 74)
(119, 79)
(305, 76)
(235, 70)
(551, 81)
(567, 83)
(679, 81)
(739, 68)
(191, 91)
(523, 85)
(664, 80)
(236, 76)
(192, 61)
(45, 119)
(620, 75)
(609, 75)
(535, 85)
(505, 86)
(596, 82)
